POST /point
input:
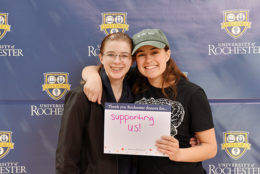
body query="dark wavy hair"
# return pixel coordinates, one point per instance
(171, 76)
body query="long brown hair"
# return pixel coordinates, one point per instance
(171, 76)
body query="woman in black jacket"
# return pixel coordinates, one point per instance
(80, 143)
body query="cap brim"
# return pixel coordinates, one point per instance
(152, 43)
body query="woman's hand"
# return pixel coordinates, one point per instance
(93, 89)
(169, 146)
(93, 85)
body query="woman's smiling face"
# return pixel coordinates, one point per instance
(151, 62)
(116, 59)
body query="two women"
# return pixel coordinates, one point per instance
(161, 82)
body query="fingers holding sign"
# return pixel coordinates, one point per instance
(169, 146)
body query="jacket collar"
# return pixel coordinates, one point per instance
(108, 95)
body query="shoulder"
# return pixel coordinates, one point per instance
(76, 95)
(187, 86)
(78, 90)
(76, 105)
(190, 90)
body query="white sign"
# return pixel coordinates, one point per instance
(134, 128)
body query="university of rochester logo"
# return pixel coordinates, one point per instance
(235, 22)
(5, 143)
(56, 84)
(236, 143)
(113, 22)
(4, 27)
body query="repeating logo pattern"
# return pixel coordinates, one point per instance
(56, 84)
(236, 22)
(236, 143)
(4, 27)
(5, 143)
(113, 22)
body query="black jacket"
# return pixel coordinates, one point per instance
(80, 144)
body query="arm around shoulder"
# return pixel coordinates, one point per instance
(93, 86)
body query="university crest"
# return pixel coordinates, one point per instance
(236, 144)
(4, 27)
(56, 84)
(113, 22)
(235, 22)
(5, 143)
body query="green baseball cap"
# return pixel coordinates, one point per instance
(153, 37)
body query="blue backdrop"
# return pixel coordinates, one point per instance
(44, 45)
